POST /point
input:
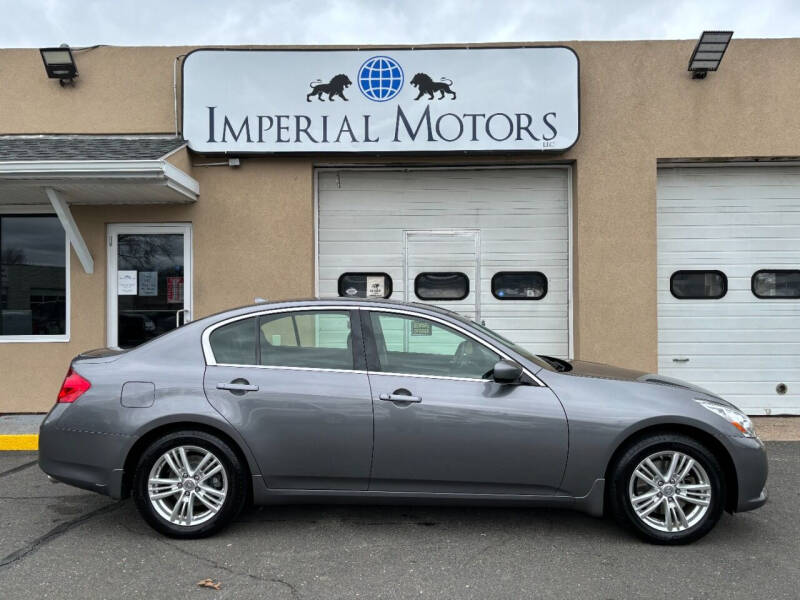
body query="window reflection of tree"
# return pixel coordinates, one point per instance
(157, 252)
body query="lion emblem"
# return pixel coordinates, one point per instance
(335, 87)
(426, 85)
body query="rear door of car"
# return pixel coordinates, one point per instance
(442, 425)
(295, 385)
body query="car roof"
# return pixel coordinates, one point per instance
(345, 302)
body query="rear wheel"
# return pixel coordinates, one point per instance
(189, 484)
(669, 489)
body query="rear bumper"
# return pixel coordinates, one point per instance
(85, 459)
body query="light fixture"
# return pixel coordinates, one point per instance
(708, 53)
(59, 64)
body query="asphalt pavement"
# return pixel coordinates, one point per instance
(61, 542)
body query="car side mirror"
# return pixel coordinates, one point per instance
(506, 371)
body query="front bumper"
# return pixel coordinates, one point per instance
(750, 460)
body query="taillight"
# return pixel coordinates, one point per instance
(74, 385)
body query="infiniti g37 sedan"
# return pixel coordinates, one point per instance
(377, 401)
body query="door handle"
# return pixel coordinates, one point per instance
(680, 360)
(237, 387)
(400, 398)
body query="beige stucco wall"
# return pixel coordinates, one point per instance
(253, 226)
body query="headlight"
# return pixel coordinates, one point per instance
(733, 416)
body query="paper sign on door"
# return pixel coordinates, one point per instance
(126, 283)
(148, 283)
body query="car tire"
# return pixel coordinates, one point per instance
(667, 509)
(208, 493)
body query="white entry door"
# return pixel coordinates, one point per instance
(149, 281)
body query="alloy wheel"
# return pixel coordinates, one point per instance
(187, 485)
(670, 491)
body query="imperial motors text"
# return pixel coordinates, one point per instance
(421, 125)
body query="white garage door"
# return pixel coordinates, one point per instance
(448, 234)
(736, 228)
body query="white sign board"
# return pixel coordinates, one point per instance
(445, 100)
(126, 283)
(148, 283)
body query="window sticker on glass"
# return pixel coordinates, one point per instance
(148, 283)
(375, 286)
(174, 290)
(126, 283)
(421, 328)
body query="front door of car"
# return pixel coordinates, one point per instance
(294, 384)
(442, 425)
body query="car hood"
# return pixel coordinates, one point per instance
(590, 369)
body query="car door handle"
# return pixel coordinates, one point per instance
(399, 398)
(680, 360)
(237, 387)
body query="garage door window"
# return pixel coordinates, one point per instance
(365, 285)
(698, 285)
(776, 283)
(441, 286)
(519, 285)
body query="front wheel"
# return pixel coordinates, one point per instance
(189, 484)
(669, 489)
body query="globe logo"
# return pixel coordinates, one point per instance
(380, 78)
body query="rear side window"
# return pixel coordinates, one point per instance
(312, 339)
(776, 283)
(519, 285)
(441, 286)
(698, 285)
(365, 285)
(235, 343)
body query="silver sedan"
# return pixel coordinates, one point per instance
(377, 401)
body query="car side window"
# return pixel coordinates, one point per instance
(235, 343)
(310, 339)
(417, 346)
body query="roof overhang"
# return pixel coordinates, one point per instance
(96, 182)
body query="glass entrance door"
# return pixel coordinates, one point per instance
(149, 281)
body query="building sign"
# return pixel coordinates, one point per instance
(482, 99)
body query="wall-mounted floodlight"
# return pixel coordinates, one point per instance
(59, 64)
(708, 53)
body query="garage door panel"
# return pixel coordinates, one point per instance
(521, 216)
(737, 220)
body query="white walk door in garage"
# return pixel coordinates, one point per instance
(492, 244)
(729, 249)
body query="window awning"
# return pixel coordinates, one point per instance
(93, 170)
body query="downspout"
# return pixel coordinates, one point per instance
(175, 89)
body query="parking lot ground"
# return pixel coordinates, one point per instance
(60, 542)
